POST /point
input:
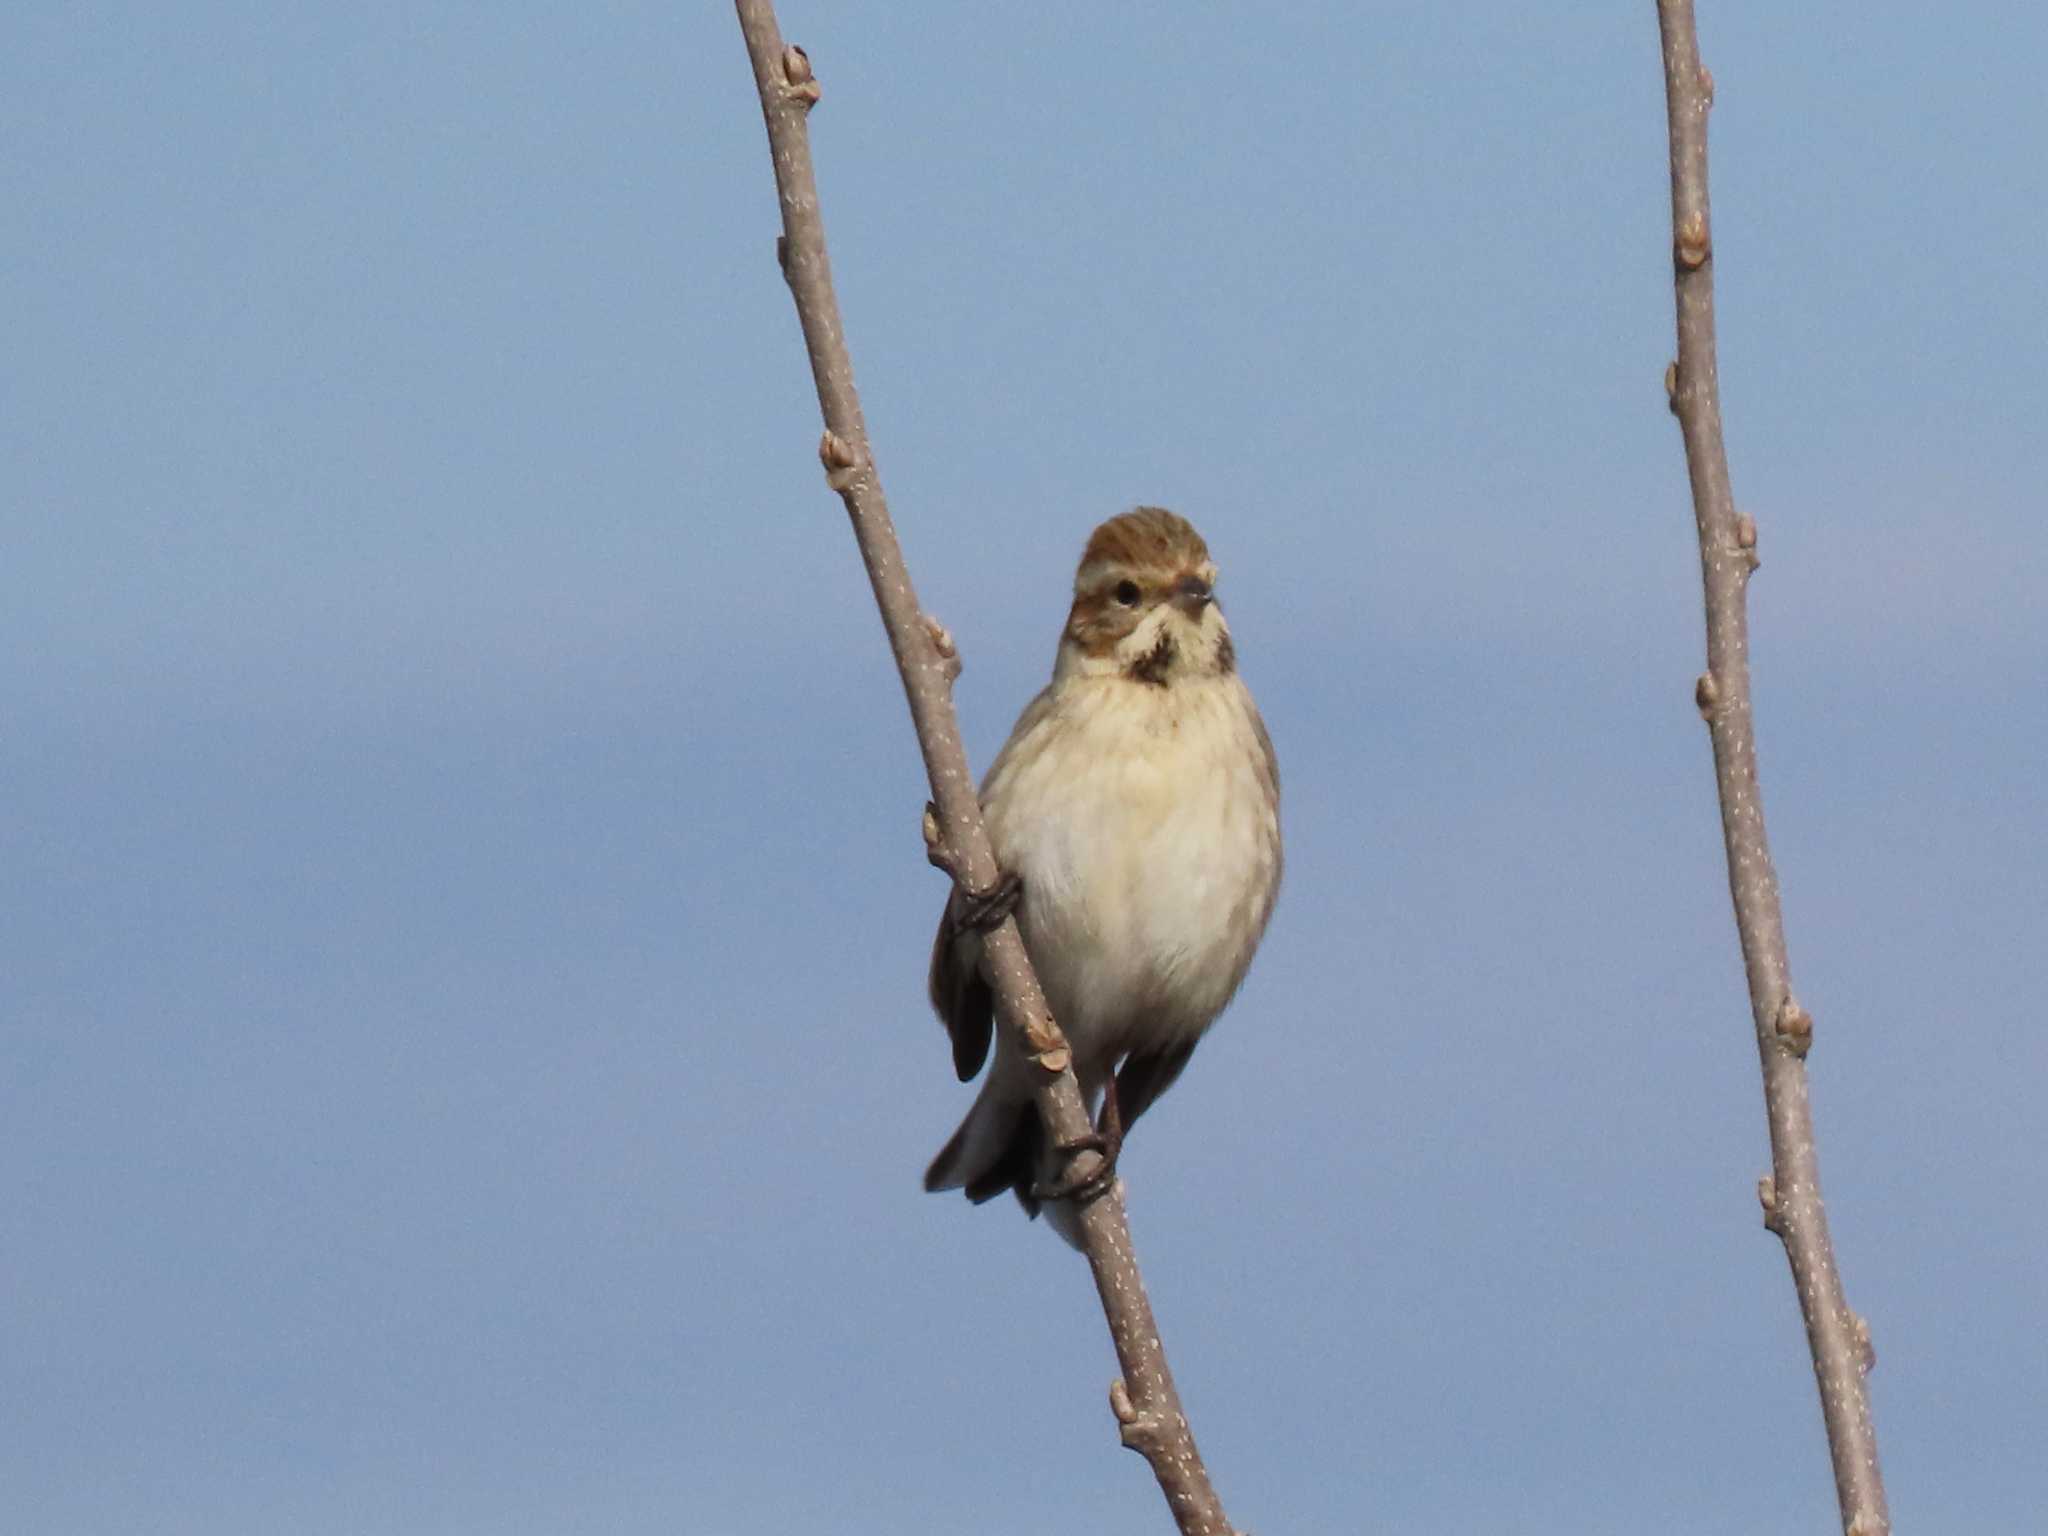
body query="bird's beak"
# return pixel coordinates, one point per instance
(1191, 595)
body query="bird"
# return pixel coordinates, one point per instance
(1135, 812)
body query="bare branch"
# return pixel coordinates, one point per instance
(1146, 1405)
(1790, 1194)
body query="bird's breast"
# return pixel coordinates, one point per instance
(1144, 822)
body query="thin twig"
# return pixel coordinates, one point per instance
(1837, 1337)
(1146, 1405)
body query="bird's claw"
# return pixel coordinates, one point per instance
(1082, 1189)
(984, 911)
(974, 909)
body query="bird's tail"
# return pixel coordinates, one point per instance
(999, 1146)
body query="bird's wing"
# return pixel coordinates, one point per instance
(1146, 1075)
(960, 994)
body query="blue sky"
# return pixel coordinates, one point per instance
(464, 916)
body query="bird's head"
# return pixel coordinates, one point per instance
(1145, 604)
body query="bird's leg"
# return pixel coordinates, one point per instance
(1110, 1123)
(1106, 1141)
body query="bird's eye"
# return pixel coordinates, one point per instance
(1127, 593)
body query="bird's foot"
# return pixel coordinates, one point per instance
(1082, 1189)
(975, 909)
(984, 911)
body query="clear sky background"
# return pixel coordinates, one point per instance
(463, 1060)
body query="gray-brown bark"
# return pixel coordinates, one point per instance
(1144, 1400)
(1837, 1338)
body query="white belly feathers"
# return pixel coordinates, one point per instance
(1142, 826)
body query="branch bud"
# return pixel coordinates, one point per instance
(842, 464)
(942, 645)
(1140, 1432)
(1120, 1402)
(1706, 693)
(834, 452)
(1693, 247)
(1767, 1197)
(1745, 543)
(1047, 1046)
(803, 86)
(1795, 1027)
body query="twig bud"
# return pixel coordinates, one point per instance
(1120, 1402)
(1048, 1047)
(1865, 1349)
(1795, 1027)
(842, 463)
(796, 69)
(1745, 540)
(1706, 693)
(1693, 247)
(1706, 86)
(942, 642)
(835, 452)
(1767, 1197)
(1139, 1432)
(1671, 384)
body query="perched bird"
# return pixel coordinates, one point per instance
(1137, 804)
